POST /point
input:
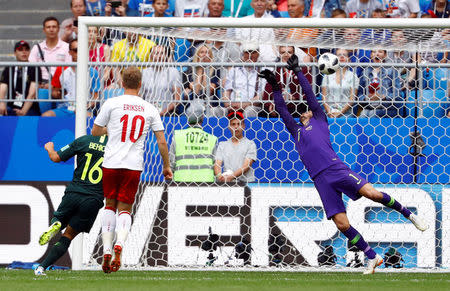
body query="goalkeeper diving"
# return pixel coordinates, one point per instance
(330, 175)
(83, 197)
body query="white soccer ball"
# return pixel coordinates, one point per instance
(328, 63)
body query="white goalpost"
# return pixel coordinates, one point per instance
(277, 222)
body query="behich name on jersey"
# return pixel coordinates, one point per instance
(131, 107)
(97, 147)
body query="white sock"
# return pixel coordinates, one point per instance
(108, 228)
(123, 227)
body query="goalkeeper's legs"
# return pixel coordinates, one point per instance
(356, 239)
(370, 192)
(108, 229)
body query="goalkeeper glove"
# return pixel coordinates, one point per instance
(271, 79)
(292, 64)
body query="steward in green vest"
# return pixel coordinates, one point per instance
(192, 152)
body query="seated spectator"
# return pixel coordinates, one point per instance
(324, 7)
(133, 48)
(289, 86)
(147, 8)
(402, 56)
(296, 9)
(109, 35)
(332, 37)
(338, 13)
(12, 81)
(116, 11)
(215, 8)
(99, 52)
(243, 88)
(282, 7)
(95, 7)
(200, 78)
(376, 36)
(161, 85)
(259, 35)
(402, 8)
(438, 9)
(272, 8)
(224, 52)
(234, 157)
(380, 88)
(52, 49)
(160, 9)
(69, 26)
(237, 8)
(430, 40)
(64, 87)
(362, 8)
(339, 89)
(352, 37)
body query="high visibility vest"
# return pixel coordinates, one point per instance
(194, 160)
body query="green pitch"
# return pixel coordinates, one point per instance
(215, 280)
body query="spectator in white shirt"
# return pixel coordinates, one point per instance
(243, 88)
(190, 8)
(339, 89)
(362, 8)
(268, 52)
(402, 8)
(161, 85)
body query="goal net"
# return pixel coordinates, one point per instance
(388, 117)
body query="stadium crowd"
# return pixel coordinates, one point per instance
(353, 91)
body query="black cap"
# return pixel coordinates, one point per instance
(21, 44)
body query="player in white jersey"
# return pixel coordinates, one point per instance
(127, 120)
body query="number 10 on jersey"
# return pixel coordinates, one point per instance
(134, 124)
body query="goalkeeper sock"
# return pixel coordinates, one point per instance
(390, 202)
(356, 239)
(108, 228)
(57, 251)
(123, 227)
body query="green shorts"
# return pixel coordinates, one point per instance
(79, 211)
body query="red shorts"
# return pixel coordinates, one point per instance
(121, 184)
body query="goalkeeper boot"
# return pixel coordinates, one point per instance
(106, 265)
(115, 265)
(418, 222)
(372, 264)
(39, 271)
(50, 233)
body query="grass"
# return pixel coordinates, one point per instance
(216, 280)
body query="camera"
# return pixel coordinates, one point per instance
(75, 23)
(242, 251)
(115, 4)
(392, 258)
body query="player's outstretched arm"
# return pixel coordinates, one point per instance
(280, 105)
(311, 99)
(164, 152)
(53, 155)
